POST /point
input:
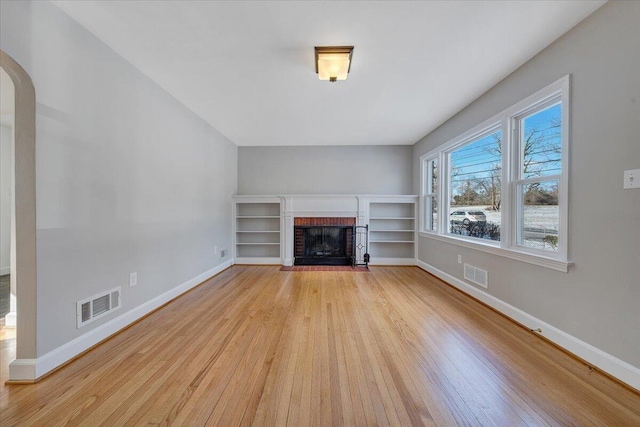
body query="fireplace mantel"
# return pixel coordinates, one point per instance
(350, 206)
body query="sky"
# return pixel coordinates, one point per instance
(478, 159)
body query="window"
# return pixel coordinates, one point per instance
(475, 175)
(502, 186)
(430, 193)
(538, 139)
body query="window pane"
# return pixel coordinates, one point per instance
(431, 213)
(427, 213)
(475, 188)
(434, 176)
(434, 213)
(542, 143)
(538, 227)
(430, 199)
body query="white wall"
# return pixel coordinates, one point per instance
(128, 179)
(325, 170)
(598, 300)
(6, 165)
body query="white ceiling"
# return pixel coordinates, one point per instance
(247, 67)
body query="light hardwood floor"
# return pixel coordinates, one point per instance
(255, 345)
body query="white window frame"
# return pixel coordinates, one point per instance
(427, 194)
(507, 120)
(487, 128)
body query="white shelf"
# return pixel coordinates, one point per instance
(257, 230)
(396, 219)
(257, 251)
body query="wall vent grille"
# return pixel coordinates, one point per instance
(476, 275)
(99, 305)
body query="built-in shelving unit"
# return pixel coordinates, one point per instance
(258, 227)
(264, 231)
(392, 230)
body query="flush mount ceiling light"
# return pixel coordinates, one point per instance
(333, 62)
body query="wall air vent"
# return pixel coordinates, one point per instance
(93, 308)
(476, 275)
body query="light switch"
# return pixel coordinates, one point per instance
(632, 179)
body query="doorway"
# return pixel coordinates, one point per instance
(7, 224)
(22, 268)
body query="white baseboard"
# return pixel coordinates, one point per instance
(257, 261)
(613, 366)
(5, 270)
(31, 369)
(11, 319)
(23, 370)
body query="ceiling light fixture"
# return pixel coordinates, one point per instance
(333, 62)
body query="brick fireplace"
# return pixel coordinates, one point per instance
(323, 240)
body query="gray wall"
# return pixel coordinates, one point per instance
(325, 170)
(128, 179)
(6, 164)
(598, 301)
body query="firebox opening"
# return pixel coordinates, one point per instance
(323, 241)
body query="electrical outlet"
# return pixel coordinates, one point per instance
(459, 259)
(215, 250)
(632, 179)
(133, 279)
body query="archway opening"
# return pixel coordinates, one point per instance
(7, 222)
(23, 225)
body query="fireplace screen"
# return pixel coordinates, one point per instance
(324, 245)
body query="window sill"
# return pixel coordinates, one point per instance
(540, 261)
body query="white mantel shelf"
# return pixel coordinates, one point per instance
(390, 217)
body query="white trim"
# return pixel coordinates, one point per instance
(392, 261)
(401, 198)
(321, 214)
(557, 92)
(23, 370)
(321, 205)
(613, 366)
(11, 320)
(374, 197)
(540, 97)
(31, 369)
(5, 270)
(256, 199)
(527, 257)
(504, 121)
(258, 260)
(425, 186)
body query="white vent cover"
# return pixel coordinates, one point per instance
(476, 275)
(93, 308)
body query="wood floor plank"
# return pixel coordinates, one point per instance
(404, 331)
(264, 347)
